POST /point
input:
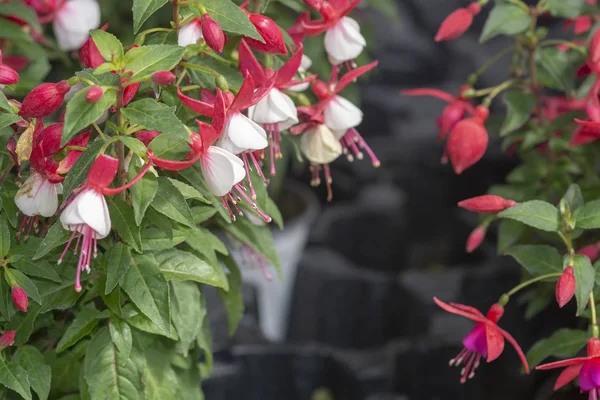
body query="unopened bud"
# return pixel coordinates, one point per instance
(164, 78)
(221, 83)
(486, 204)
(565, 287)
(44, 100)
(213, 34)
(476, 238)
(8, 76)
(591, 251)
(457, 23)
(270, 33)
(19, 298)
(94, 94)
(7, 338)
(146, 136)
(468, 141)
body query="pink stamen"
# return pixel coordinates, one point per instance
(328, 182)
(593, 394)
(356, 137)
(226, 205)
(258, 168)
(245, 159)
(252, 204)
(78, 238)
(66, 247)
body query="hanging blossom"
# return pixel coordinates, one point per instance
(239, 134)
(87, 215)
(296, 32)
(586, 368)
(276, 111)
(341, 116)
(486, 339)
(72, 21)
(343, 40)
(222, 170)
(38, 196)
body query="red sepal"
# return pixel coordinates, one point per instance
(197, 106)
(244, 97)
(287, 71)
(248, 62)
(103, 171)
(445, 96)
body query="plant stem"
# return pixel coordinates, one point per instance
(475, 75)
(532, 281)
(256, 7)
(176, 15)
(120, 146)
(533, 68)
(594, 317)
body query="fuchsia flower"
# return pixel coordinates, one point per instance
(44, 100)
(73, 20)
(486, 339)
(213, 34)
(586, 368)
(190, 33)
(87, 213)
(89, 54)
(591, 251)
(163, 78)
(565, 287)
(343, 40)
(19, 298)
(94, 94)
(269, 31)
(457, 23)
(8, 76)
(476, 238)
(321, 147)
(468, 141)
(486, 204)
(7, 338)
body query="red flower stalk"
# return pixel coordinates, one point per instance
(270, 32)
(44, 100)
(212, 33)
(19, 298)
(476, 238)
(565, 287)
(164, 78)
(468, 141)
(486, 339)
(7, 338)
(486, 204)
(586, 368)
(89, 54)
(457, 23)
(591, 251)
(94, 94)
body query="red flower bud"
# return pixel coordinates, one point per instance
(475, 238)
(44, 99)
(486, 204)
(594, 50)
(94, 94)
(8, 76)
(19, 298)
(164, 78)
(18, 63)
(457, 23)
(89, 54)
(129, 92)
(146, 136)
(7, 338)
(271, 34)
(565, 287)
(452, 114)
(592, 251)
(468, 141)
(212, 33)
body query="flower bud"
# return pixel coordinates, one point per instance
(8, 76)
(130, 92)
(468, 141)
(486, 204)
(213, 34)
(591, 251)
(89, 54)
(271, 34)
(19, 298)
(475, 238)
(457, 23)
(164, 78)
(7, 338)
(565, 287)
(44, 100)
(146, 136)
(452, 114)
(94, 94)
(594, 49)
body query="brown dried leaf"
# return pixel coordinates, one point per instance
(24, 144)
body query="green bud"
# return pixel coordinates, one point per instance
(221, 83)
(303, 100)
(504, 299)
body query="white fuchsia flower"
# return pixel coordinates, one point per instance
(73, 22)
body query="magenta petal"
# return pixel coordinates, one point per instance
(475, 340)
(585, 379)
(595, 371)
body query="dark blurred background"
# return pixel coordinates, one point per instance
(354, 318)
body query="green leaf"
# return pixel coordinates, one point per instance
(188, 312)
(22, 11)
(565, 8)
(10, 30)
(4, 104)
(537, 214)
(4, 238)
(154, 239)
(232, 299)
(230, 17)
(160, 380)
(143, 323)
(207, 79)
(556, 68)
(170, 202)
(564, 343)
(119, 261)
(149, 291)
(505, 19)
(134, 145)
(509, 233)
(22, 280)
(143, 9)
(584, 279)
(537, 259)
(55, 236)
(181, 265)
(142, 194)
(188, 191)
(81, 113)
(38, 372)
(120, 333)
(24, 326)
(106, 79)
(144, 61)
(194, 176)
(108, 373)
(122, 218)
(519, 105)
(574, 197)
(169, 147)
(8, 119)
(202, 213)
(206, 243)
(204, 341)
(5, 299)
(78, 173)
(14, 377)
(109, 46)
(153, 115)
(82, 325)
(39, 269)
(588, 216)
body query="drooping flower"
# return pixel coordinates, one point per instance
(44, 99)
(468, 141)
(457, 22)
(486, 204)
(213, 33)
(269, 31)
(343, 40)
(565, 287)
(73, 21)
(190, 33)
(586, 368)
(485, 341)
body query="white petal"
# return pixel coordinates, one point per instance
(305, 64)
(320, 146)
(47, 199)
(70, 217)
(274, 108)
(25, 197)
(221, 170)
(189, 34)
(93, 210)
(341, 114)
(301, 87)
(344, 41)
(242, 134)
(73, 22)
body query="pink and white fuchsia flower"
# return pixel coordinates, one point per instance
(73, 21)
(190, 33)
(305, 65)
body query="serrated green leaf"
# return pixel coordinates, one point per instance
(181, 265)
(574, 197)
(565, 8)
(5, 298)
(107, 79)
(509, 233)
(170, 202)
(4, 238)
(207, 80)
(564, 343)
(188, 191)
(109, 46)
(153, 115)
(134, 145)
(22, 12)
(232, 299)
(142, 194)
(154, 239)
(122, 218)
(4, 104)
(120, 333)
(230, 17)
(194, 176)
(537, 259)
(588, 216)
(143, 9)
(39, 269)
(144, 61)
(119, 261)
(38, 372)
(169, 147)
(81, 113)
(149, 291)
(505, 19)
(14, 377)
(8, 119)
(556, 68)
(205, 243)
(55, 236)
(188, 312)
(536, 213)
(584, 279)
(82, 325)
(78, 173)
(24, 326)
(160, 379)
(141, 322)
(519, 105)
(202, 213)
